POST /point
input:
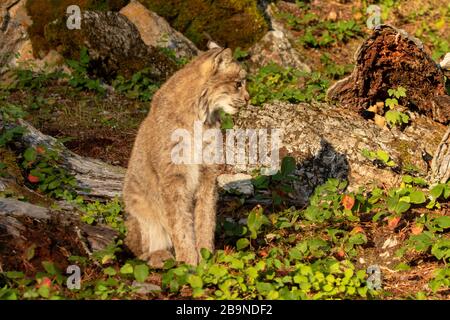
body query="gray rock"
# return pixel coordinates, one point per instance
(114, 45)
(238, 182)
(144, 288)
(275, 47)
(13, 31)
(155, 31)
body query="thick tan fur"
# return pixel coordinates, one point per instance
(173, 205)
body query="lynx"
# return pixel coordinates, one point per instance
(173, 205)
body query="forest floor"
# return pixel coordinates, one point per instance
(103, 126)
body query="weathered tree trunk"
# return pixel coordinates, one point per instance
(327, 142)
(99, 178)
(386, 60)
(440, 165)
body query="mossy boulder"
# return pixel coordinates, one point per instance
(43, 12)
(231, 23)
(114, 46)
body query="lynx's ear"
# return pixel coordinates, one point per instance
(222, 60)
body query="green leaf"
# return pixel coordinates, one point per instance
(255, 221)
(441, 249)
(50, 268)
(288, 165)
(400, 92)
(141, 272)
(261, 182)
(443, 222)
(295, 254)
(14, 274)
(226, 120)
(126, 269)
(30, 154)
(391, 103)
(110, 271)
(417, 197)
(402, 267)
(402, 207)
(264, 287)
(205, 253)
(436, 191)
(378, 215)
(54, 184)
(195, 281)
(407, 179)
(383, 155)
(44, 291)
(242, 243)
(358, 238)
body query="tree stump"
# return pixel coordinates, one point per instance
(388, 59)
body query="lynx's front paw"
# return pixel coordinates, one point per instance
(156, 259)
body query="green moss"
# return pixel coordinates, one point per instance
(232, 23)
(42, 12)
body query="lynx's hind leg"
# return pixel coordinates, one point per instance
(146, 232)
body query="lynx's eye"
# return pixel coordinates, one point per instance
(238, 84)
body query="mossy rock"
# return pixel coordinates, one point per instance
(232, 23)
(43, 12)
(113, 43)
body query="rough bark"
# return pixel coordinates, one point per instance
(327, 141)
(388, 59)
(440, 165)
(95, 176)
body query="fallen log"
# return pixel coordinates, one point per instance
(95, 178)
(327, 142)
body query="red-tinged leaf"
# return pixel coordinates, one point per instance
(356, 230)
(263, 253)
(417, 229)
(341, 253)
(33, 179)
(40, 149)
(45, 282)
(348, 202)
(393, 222)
